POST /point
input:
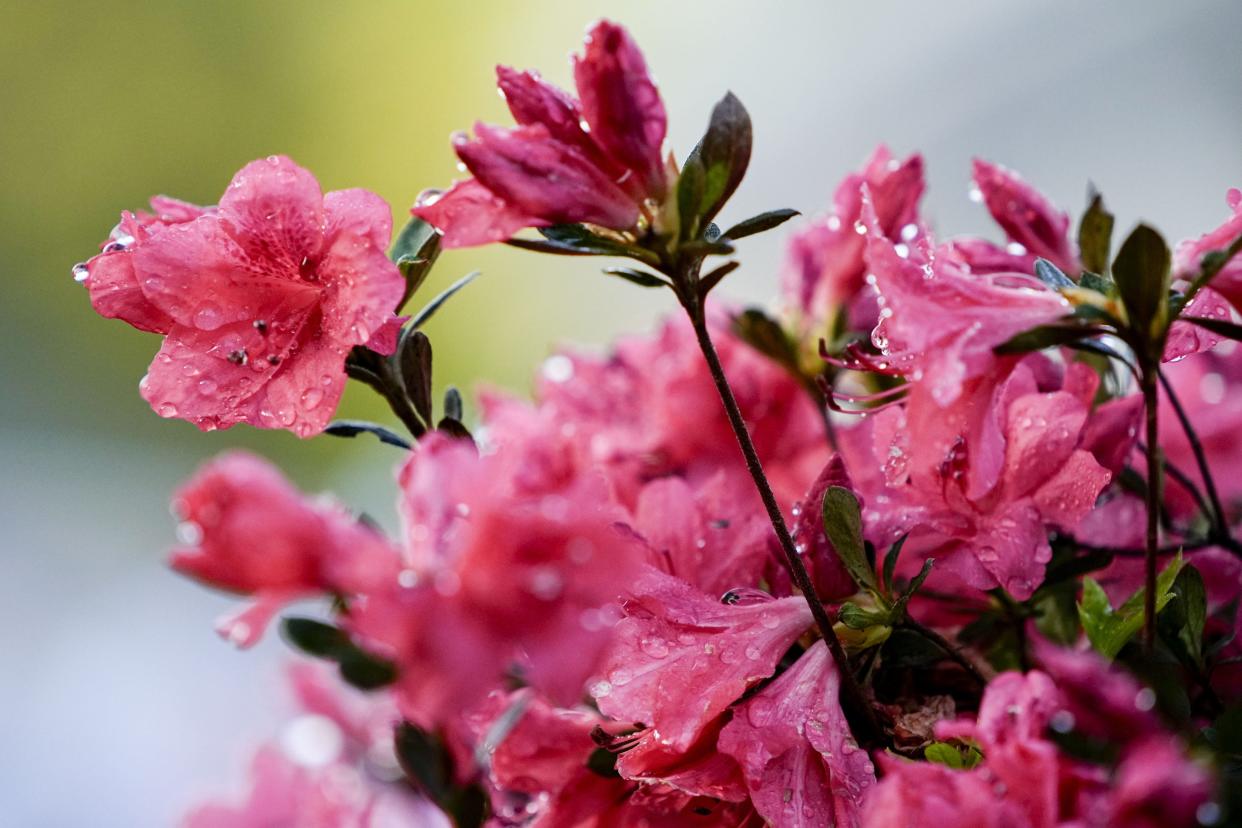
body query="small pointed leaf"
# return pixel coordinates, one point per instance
(843, 525)
(1141, 271)
(759, 223)
(724, 154)
(1051, 275)
(1095, 233)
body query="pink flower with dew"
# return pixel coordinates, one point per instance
(939, 324)
(987, 476)
(681, 657)
(800, 761)
(918, 794)
(245, 529)
(824, 266)
(1034, 227)
(595, 160)
(1188, 256)
(499, 576)
(1158, 787)
(259, 299)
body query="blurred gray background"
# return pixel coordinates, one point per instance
(119, 704)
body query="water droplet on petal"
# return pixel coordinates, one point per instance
(81, 272)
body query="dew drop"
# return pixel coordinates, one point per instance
(81, 272)
(311, 398)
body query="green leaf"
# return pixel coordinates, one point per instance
(424, 760)
(414, 361)
(710, 280)
(843, 525)
(638, 277)
(415, 251)
(765, 335)
(454, 428)
(1217, 326)
(453, 407)
(434, 305)
(957, 757)
(890, 561)
(1095, 233)
(352, 428)
(1141, 271)
(759, 223)
(576, 240)
(1051, 275)
(1192, 599)
(1096, 282)
(857, 618)
(1044, 336)
(723, 154)
(1107, 629)
(315, 637)
(690, 185)
(365, 671)
(899, 607)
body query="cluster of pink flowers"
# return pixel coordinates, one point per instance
(599, 612)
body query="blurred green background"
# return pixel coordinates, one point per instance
(114, 688)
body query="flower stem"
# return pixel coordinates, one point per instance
(860, 714)
(1150, 385)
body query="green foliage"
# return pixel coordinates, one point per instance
(1142, 271)
(357, 667)
(415, 250)
(1109, 629)
(955, 755)
(1095, 232)
(843, 525)
(721, 158)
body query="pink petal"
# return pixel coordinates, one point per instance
(1067, 497)
(116, 293)
(1112, 431)
(682, 657)
(360, 213)
(274, 209)
(198, 274)
(532, 100)
(1186, 338)
(533, 172)
(1026, 216)
(468, 214)
(384, 339)
(1042, 432)
(801, 763)
(622, 104)
(361, 289)
(303, 392)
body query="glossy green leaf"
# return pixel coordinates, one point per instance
(963, 757)
(435, 304)
(352, 428)
(843, 525)
(1095, 233)
(638, 277)
(1109, 629)
(890, 561)
(1141, 271)
(415, 251)
(759, 223)
(414, 361)
(1044, 336)
(724, 155)
(765, 335)
(1051, 275)
(710, 280)
(690, 186)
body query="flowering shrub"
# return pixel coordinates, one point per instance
(948, 538)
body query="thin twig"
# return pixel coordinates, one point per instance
(865, 724)
(1154, 478)
(1219, 520)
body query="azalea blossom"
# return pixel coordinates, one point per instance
(596, 159)
(245, 529)
(259, 299)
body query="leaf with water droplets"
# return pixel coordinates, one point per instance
(1109, 629)
(843, 525)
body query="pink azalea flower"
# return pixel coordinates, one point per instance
(824, 265)
(595, 160)
(1157, 787)
(259, 299)
(801, 764)
(1189, 254)
(499, 575)
(682, 657)
(1102, 701)
(939, 324)
(649, 409)
(986, 476)
(247, 530)
(1034, 227)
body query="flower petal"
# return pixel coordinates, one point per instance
(274, 209)
(469, 214)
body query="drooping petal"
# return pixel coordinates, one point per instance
(801, 763)
(468, 214)
(116, 293)
(540, 176)
(1026, 216)
(274, 210)
(622, 104)
(682, 657)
